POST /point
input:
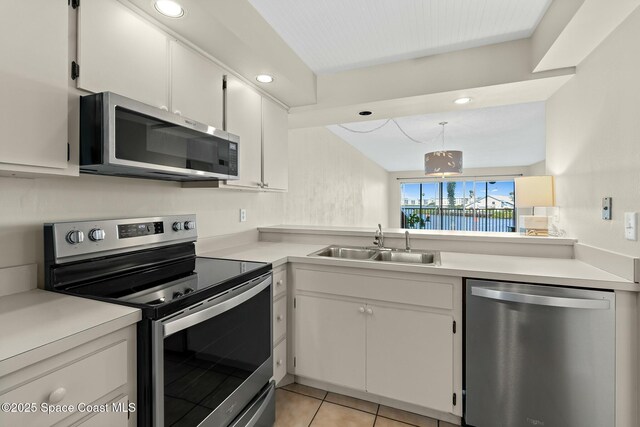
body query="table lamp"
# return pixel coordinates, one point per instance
(532, 192)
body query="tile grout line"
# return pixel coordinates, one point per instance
(324, 399)
(318, 410)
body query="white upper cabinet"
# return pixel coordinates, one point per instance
(275, 131)
(119, 51)
(34, 81)
(196, 86)
(244, 118)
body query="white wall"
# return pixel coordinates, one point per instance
(25, 204)
(593, 141)
(332, 183)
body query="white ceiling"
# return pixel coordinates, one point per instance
(512, 135)
(336, 35)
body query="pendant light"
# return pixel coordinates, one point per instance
(443, 163)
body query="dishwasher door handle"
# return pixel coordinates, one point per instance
(551, 301)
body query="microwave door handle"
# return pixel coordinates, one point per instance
(546, 300)
(172, 326)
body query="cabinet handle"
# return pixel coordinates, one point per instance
(279, 362)
(57, 395)
(178, 112)
(279, 282)
(361, 309)
(369, 310)
(279, 318)
(164, 108)
(265, 184)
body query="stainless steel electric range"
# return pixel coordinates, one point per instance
(204, 344)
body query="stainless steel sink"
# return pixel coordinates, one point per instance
(381, 255)
(407, 257)
(346, 252)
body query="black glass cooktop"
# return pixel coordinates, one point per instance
(167, 288)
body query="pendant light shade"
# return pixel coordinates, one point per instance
(443, 163)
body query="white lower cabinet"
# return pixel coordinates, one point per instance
(410, 356)
(280, 361)
(77, 387)
(391, 334)
(330, 340)
(279, 323)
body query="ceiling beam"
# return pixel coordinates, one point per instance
(492, 75)
(572, 29)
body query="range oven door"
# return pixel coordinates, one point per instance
(212, 359)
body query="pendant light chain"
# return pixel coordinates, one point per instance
(399, 128)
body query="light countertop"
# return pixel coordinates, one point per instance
(567, 272)
(37, 318)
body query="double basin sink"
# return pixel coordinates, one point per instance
(414, 256)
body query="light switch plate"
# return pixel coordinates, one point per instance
(631, 225)
(606, 208)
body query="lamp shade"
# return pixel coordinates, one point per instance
(534, 191)
(443, 163)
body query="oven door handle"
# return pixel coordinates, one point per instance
(170, 327)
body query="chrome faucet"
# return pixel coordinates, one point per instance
(407, 242)
(378, 238)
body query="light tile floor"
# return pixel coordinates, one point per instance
(298, 405)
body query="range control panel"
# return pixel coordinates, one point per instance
(140, 229)
(69, 241)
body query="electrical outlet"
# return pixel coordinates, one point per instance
(243, 215)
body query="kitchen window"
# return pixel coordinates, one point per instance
(458, 205)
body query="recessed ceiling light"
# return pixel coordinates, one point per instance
(365, 113)
(462, 101)
(264, 78)
(169, 8)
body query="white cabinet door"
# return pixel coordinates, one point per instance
(34, 83)
(330, 341)
(196, 86)
(410, 356)
(244, 118)
(118, 51)
(275, 124)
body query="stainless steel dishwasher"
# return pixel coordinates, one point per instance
(538, 356)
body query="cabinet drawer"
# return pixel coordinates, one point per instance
(279, 319)
(279, 282)
(280, 361)
(414, 289)
(82, 381)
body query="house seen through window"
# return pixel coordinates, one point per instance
(458, 205)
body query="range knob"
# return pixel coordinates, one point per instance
(177, 294)
(97, 234)
(189, 225)
(188, 290)
(75, 236)
(177, 226)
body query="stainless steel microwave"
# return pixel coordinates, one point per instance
(124, 137)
